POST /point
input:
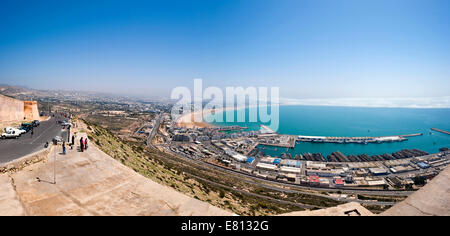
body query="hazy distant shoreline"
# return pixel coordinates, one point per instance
(188, 120)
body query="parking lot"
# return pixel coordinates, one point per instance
(11, 149)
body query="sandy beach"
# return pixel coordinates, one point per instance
(195, 119)
(188, 120)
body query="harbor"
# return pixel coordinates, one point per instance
(387, 130)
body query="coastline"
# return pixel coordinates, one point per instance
(189, 120)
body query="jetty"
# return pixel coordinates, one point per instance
(357, 140)
(440, 130)
(412, 135)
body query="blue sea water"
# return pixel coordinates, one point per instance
(358, 122)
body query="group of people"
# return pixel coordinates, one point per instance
(83, 144)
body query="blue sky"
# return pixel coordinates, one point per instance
(310, 49)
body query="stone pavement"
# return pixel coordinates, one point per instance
(9, 202)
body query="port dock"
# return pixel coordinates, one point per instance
(230, 128)
(357, 140)
(440, 130)
(411, 135)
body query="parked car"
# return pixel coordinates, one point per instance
(57, 140)
(35, 123)
(65, 123)
(17, 130)
(26, 126)
(12, 134)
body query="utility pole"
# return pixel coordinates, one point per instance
(54, 168)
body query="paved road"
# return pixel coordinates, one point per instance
(12, 149)
(154, 130)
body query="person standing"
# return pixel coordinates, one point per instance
(81, 144)
(68, 134)
(32, 132)
(64, 148)
(86, 143)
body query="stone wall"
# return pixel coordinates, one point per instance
(31, 110)
(15, 110)
(11, 109)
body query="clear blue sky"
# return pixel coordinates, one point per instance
(310, 49)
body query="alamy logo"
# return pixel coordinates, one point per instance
(234, 102)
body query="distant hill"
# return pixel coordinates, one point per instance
(28, 94)
(14, 91)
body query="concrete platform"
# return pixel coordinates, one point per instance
(9, 201)
(92, 183)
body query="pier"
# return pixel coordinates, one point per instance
(357, 140)
(412, 135)
(440, 130)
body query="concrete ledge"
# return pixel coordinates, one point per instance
(93, 183)
(19, 164)
(433, 199)
(348, 209)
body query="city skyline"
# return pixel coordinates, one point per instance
(312, 50)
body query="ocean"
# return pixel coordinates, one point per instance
(357, 122)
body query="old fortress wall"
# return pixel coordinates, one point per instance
(30, 110)
(15, 110)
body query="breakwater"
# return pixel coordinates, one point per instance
(441, 131)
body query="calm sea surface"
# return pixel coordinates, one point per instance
(358, 122)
